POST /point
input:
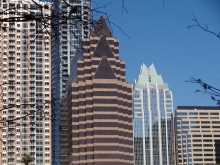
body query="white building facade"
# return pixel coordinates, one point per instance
(152, 108)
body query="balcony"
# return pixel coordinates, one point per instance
(11, 142)
(64, 54)
(11, 114)
(64, 68)
(11, 73)
(11, 89)
(11, 78)
(32, 32)
(11, 43)
(11, 118)
(32, 85)
(11, 163)
(32, 150)
(11, 96)
(11, 47)
(32, 44)
(64, 62)
(32, 108)
(11, 56)
(33, 144)
(11, 102)
(11, 138)
(11, 61)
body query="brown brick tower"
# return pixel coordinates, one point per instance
(100, 104)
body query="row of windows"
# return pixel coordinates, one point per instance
(18, 88)
(200, 145)
(46, 136)
(195, 113)
(18, 59)
(25, 101)
(18, 130)
(39, 48)
(205, 135)
(24, 65)
(180, 118)
(18, 160)
(204, 159)
(198, 122)
(32, 54)
(197, 126)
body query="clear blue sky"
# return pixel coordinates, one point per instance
(161, 36)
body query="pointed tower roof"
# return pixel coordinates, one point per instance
(101, 28)
(147, 75)
(104, 70)
(154, 75)
(103, 49)
(143, 75)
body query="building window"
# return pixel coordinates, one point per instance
(47, 148)
(47, 130)
(47, 154)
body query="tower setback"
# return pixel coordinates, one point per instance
(100, 104)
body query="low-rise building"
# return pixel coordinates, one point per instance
(197, 135)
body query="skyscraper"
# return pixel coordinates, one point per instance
(196, 132)
(25, 78)
(68, 32)
(100, 104)
(152, 108)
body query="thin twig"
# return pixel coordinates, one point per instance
(205, 29)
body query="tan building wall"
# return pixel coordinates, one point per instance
(100, 105)
(197, 135)
(25, 83)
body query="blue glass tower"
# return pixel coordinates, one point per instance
(152, 108)
(67, 37)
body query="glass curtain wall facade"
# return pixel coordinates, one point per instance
(66, 39)
(152, 108)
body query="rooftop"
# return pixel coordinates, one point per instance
(198, 107)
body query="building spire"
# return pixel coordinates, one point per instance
(104, 70)
(101, 28)
(147, 75)
(103, 49)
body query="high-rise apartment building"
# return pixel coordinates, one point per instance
(100, 104)
(197, 134)
(66, 39)
(25, 78)
(152, 108)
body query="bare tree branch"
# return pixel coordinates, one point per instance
(203, 28)
(46, 22)
(206, 89)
